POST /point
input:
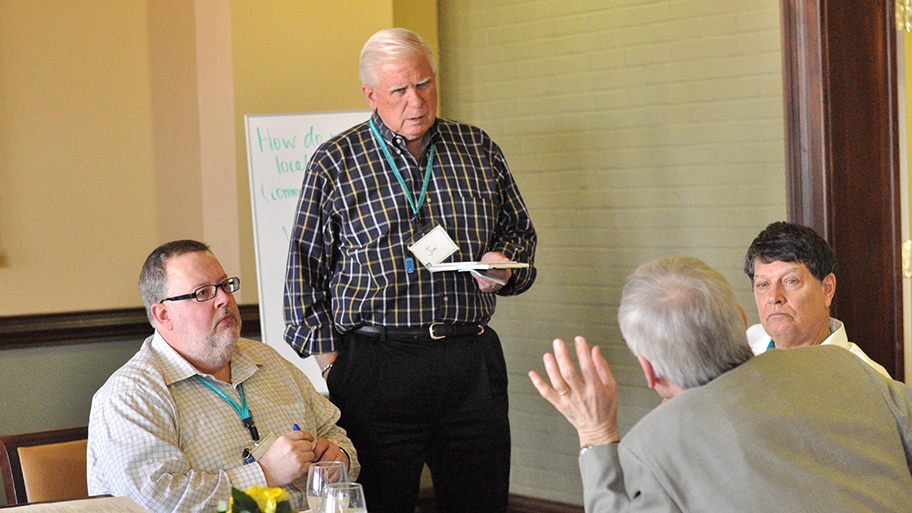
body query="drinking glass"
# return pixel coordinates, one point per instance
(344, 498)
(319, 476)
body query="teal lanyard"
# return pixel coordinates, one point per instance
(242, 410)
(392, 163)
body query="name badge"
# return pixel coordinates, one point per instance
(434, 247)
(259, 449)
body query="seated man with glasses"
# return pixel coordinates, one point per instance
(199, 410)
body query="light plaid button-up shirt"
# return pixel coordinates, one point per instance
(159, 436)
(347, 257)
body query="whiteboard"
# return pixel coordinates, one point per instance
(279, 147)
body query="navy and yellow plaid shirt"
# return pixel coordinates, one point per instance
(347, 257)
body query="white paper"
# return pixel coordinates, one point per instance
(475, 266)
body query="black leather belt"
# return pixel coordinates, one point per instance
(436, 331)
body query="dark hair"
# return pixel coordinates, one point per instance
(153, 280)
(789, 242)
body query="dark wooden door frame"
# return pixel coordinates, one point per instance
(842, 157)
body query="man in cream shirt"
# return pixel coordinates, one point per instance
(792, 272)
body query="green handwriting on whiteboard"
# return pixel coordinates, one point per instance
(291, 166)
(269, 143)
(271, 194)
(274, 143)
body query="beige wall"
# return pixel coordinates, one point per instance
(77, 207)
(635, 130)
(123, 127)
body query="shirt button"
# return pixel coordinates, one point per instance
(446, 299)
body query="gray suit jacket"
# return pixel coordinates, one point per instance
(805, 430)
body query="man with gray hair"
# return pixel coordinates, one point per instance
(199, 410)
(813, 429)
(406, 352)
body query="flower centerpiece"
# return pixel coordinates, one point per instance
(256, 499)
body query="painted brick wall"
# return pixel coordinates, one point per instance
(635, 129)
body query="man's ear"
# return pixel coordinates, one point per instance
(162, 315)
(829, 288)
(648, 371)
(369, 93)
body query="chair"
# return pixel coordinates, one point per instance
(44, 466)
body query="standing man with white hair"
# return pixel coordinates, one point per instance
(812, 429)
(407, 354)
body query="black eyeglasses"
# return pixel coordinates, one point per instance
(207, 292)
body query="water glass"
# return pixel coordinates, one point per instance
(320, 475)
(344, 498)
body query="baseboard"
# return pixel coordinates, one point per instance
(523, 504)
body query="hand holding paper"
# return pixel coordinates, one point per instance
(497, 277)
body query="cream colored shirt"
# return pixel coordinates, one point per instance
(160, 436)
(759, 342)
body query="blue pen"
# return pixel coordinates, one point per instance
(295, 427)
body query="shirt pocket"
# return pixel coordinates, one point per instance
(471, 221)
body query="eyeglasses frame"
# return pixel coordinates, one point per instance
(195, 293)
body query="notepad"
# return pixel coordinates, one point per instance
(475, 266)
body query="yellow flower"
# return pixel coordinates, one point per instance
(266, 498)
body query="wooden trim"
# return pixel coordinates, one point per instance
(42, 330)
(842, 157)
(804, 100)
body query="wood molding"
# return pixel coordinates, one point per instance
(40, 330)
(804, 100)
(842, 157)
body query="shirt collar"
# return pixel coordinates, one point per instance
(175, 367)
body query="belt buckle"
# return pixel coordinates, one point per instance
(431, 331)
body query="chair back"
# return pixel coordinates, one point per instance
(44, 466)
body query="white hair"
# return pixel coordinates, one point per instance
(683, 317)
(391, 45)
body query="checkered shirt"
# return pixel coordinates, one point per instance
(159, 436)
(347, 256)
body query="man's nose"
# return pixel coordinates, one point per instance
(221, 298)
(775, 294)
(414, 99)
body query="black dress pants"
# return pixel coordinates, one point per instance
(408, 402)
